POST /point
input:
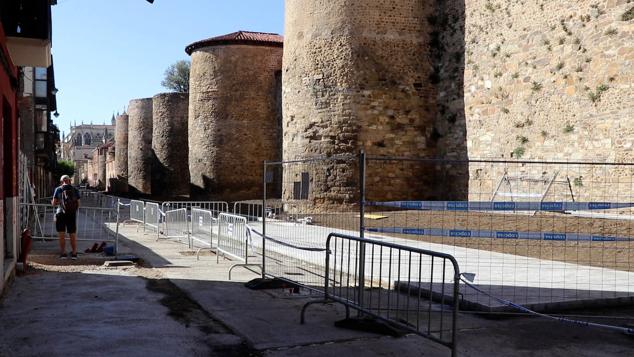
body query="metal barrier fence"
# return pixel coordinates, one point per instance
(415, 289)
(540, 234)
(97, 199)
(152, 217)
(216, 207)
(93, 223)
(203, 229)
(545, 235)
(252, 209)
(294, 248)
(176, 225)
(234, 241)
(44, 200)
(137, 211)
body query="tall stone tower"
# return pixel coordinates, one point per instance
(140, 146)
(233, 113)
(356, 76)
(169, 144)
(121, 154)
(101, 166)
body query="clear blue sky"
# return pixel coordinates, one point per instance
(107, 52)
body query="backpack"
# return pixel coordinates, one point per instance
(69, 199)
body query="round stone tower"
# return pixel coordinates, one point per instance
(357, 77)
(234, 113)
(121, 154)
(170, 169)
(101, 167)
(140, 146)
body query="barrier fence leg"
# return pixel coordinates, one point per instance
(264, 224)
(362, 167)
(116, 236)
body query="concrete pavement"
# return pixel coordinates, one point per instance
(175, 305)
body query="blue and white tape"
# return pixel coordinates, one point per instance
(462, 233)
(626, 330)
(501, 206)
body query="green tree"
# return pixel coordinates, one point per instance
(64, 167)
(177, 77)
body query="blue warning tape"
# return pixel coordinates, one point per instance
(626, 330)
(462, 233)
(501, 206)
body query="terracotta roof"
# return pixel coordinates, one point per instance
(239, 38)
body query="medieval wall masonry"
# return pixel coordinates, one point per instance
(460, 79)
(170, 172)
(233, 123)
(140, 146)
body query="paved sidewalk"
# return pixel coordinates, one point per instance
(175, 305)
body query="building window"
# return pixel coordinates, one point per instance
(41, 83)
(301, 188)
(40, 141)
(41, 121)
(41, 74)
(87, 139)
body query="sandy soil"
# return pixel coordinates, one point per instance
(615, 255)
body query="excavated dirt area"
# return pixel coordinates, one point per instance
(614, 255)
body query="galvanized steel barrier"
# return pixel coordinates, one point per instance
(176, 225)
(94, 224)
(296, 230)
(253, 210)
(250, 209)
(414, 289)
(152, 217)
(97, 199)
(137, 211)
(234, 241)
(203, 229)
(216, 207)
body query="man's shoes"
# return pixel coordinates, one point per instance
(73, 256)
(63, 256)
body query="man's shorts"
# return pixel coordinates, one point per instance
(66, 222)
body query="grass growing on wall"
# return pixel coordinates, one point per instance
(628, 15)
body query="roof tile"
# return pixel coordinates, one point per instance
(239, 38)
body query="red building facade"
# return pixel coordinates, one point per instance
(8, 159)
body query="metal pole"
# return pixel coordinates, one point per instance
(362, 167)
(456, 307)
(116, 237)
(264, 221)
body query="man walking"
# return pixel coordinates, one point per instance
(66, 199)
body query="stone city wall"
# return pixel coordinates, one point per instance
(555, 85)
(170, 169)
(356, 76)
(140, 146)
(120, 185)
(233, 124)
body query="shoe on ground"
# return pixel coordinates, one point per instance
(63, 256)
(73, 256)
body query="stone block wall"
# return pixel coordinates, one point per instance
(550, 80)
(140, 146)
(170, 169)
(101, 168)
(121, 154)
(233, 124)
(112, 182)
(357, 76)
